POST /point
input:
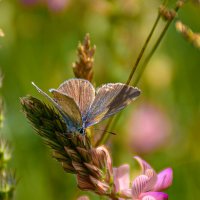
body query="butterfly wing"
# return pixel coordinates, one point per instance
(70, 111)
(81, 91)
(110, 99)
(69, 107)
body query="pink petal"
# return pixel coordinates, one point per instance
(83, 198)
(153, 196)
(151, 174)
(107, 161)
(126, 193)
(143, 164)
(57, 5)
(138, 185)
(164, 180)
(121, 177)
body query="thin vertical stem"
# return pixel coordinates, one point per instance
(179, 4)
(146, 61)
(143, 50)
(104, 134)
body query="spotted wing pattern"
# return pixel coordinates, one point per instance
(110, 99)
(81, 91)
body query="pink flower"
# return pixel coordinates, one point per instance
(83, 198)
(147, 186)
(57, 5)
(148, 121)
(121, 179)
(53, 5)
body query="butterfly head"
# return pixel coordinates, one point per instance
(81, 131)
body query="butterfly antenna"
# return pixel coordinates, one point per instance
(110, 132)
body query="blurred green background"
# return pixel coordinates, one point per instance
(40, 45)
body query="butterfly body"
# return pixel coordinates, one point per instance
(81, 106)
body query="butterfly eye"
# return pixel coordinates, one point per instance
(81, 131)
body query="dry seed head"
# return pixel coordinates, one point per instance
(166, 13)
(188, 34)
(107, 162)
(84, 182)
(99, 173)
(100, 187)
(68, 167)
(93, 166)
(94, 170)
(83, 68)
(180, 3)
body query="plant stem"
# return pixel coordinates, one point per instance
(179, 3)
(104, 135)
(143, 50)
(146, 61)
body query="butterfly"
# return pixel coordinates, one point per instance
(81, 106)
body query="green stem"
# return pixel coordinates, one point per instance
(146, 61)
(105, 135)
(143, 50)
